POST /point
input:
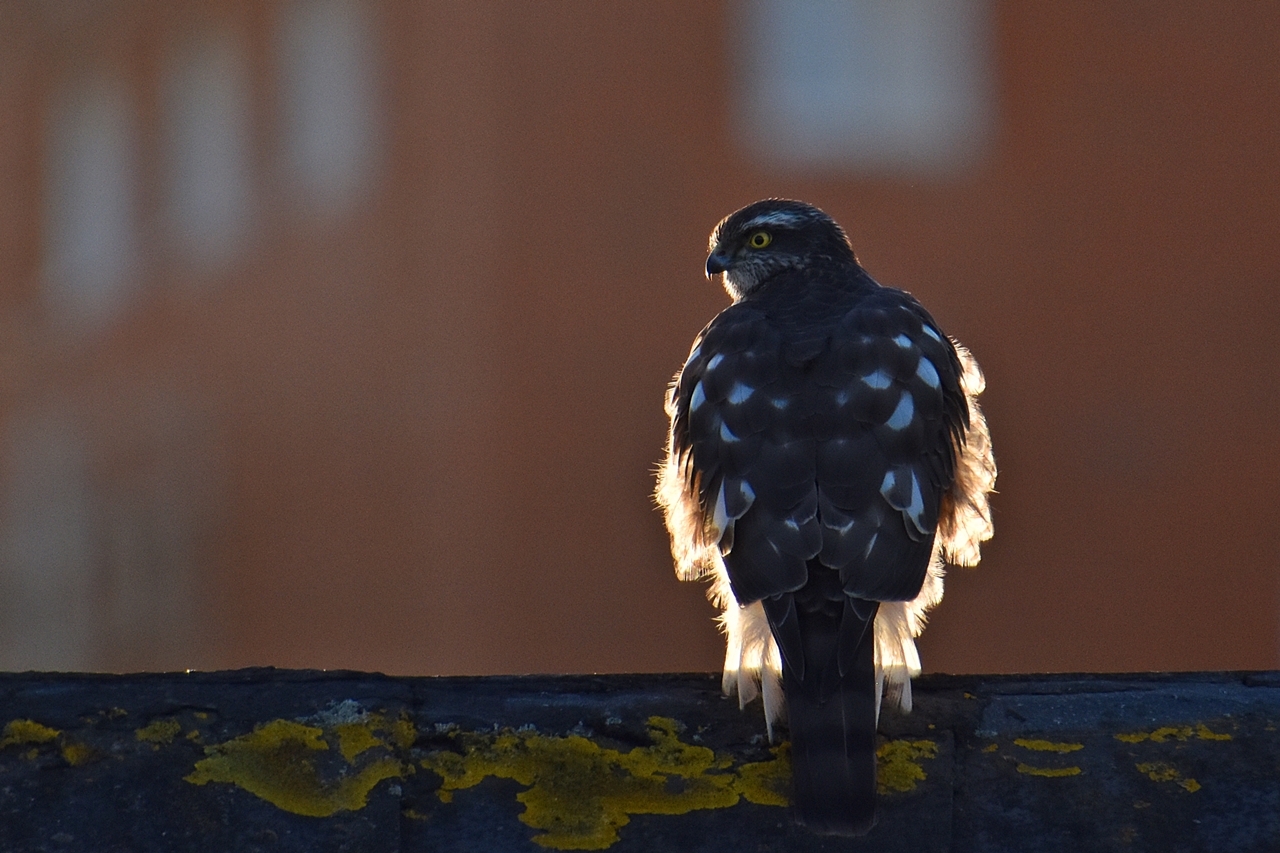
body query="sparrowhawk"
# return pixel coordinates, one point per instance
(826, 458)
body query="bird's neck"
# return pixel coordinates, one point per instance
(814, 291)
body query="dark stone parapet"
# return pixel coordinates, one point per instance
(284, 760)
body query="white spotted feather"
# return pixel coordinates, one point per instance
(753, 663)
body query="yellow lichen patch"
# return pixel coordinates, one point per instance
(1166, 733)
(580, 793)
(991, 747)
(1159, 771)
(1049, 772)
(900, 770)
(26, 731)
(355, 738)
(1047, 745)
(160, 732)
(374, 730)
(1159, 735)
(76, 754)
(767, 783)
(283, 762)
(402, 730)
(1203, 732)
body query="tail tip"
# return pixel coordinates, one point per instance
(846, 825)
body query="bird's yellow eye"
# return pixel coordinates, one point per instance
(759, 240)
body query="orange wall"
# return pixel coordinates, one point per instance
(427, 428)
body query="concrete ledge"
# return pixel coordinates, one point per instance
(281, 760)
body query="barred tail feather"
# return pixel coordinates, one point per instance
(833, 747)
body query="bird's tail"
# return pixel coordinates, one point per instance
(833, 736)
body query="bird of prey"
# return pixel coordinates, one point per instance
(826, 458)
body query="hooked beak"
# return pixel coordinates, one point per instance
(717, 262)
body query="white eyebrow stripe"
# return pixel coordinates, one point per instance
(784, 218)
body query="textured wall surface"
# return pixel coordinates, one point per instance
(413, 429)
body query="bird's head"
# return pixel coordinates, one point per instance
(762, 239)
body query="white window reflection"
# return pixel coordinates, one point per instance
(897, 86)
(208, 146)
(330, 98)
(48, 576)
(90, 216)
